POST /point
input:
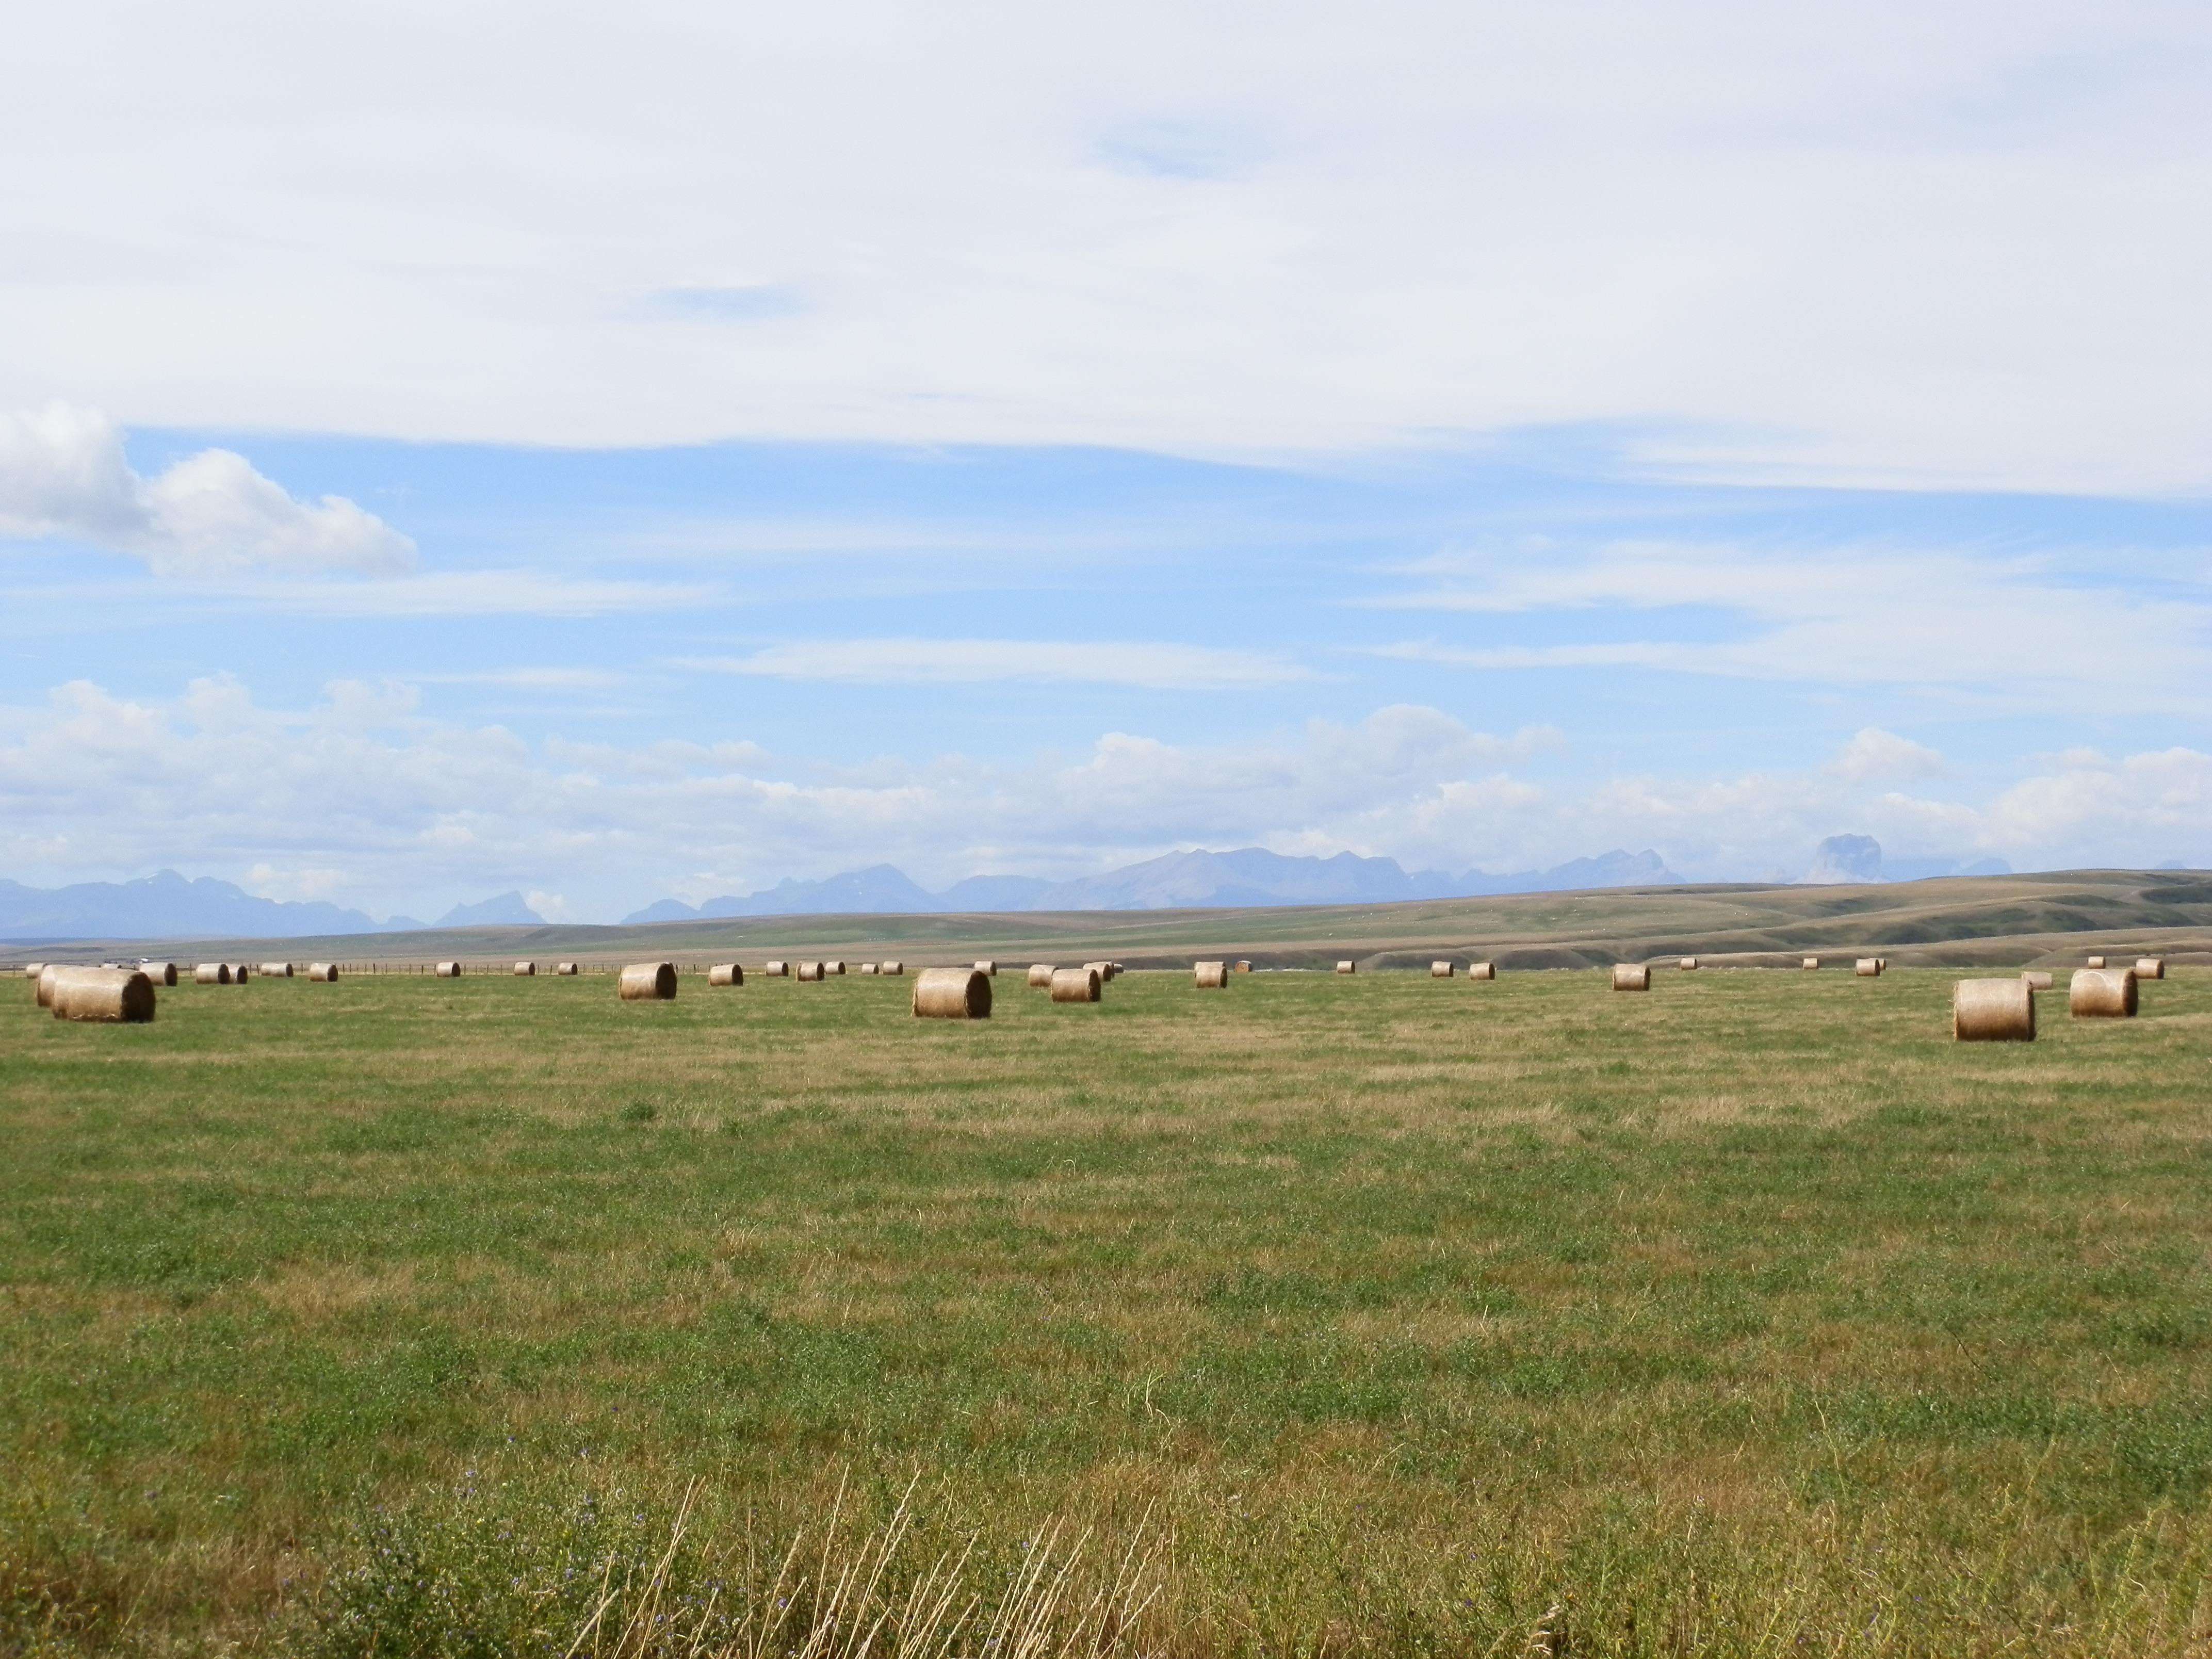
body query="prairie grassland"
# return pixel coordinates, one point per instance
(1386, 1315)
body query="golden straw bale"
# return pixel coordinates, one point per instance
(1868, 967)
(111, 996)
(726, 972)
(565, 969)
(895, 968)
(161, 972)
(1630, 976)
(1482, 970)
(811, 972)
(1440, 970)
(777, 970)
(987, 967)
(1210, 975)
(1040, 976)
(211, 973)
(1075, 985)
(1993, 1010)
(1812, 962)
(449, 970)
(323, 973)
(277, 970)
(1347, 966)
(1243, 967)
(833, 967)
(2102, 994)
(240, 973)
(2094, 962)
(952, 994)
(525, 970)
(866, 968)
(32, 969)
(647, 982)
(1688, 964)
(1103, 970)
(48, 973)
(2035, 979)
(2150, 967)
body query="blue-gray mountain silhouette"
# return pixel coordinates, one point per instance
(1200, 879)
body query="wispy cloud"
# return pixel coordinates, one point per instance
(477, 593)
(737, 302)
(1147, 664)
(1845, 615)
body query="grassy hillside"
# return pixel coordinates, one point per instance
(2023, 920)
(1383, 1315)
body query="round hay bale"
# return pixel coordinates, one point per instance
(647, 982)
(2150, 967)
(809, 973)
(323, 973)
(1440, 970)
(525, 970)
(211, 973)
(565, 969)
(1811, 963)
(777, 970)
(2035, 979)
(48, 973)
(240, 973)
(1243, 967)
(1347, 966)
(161, 972)
(1993, 1010)
(449, 970)
(2094, 962)
(1688, 964)
(952, 994)
(987, 967)
(1482, 970)
(1868, 967)
(1075, 985)
(275, 971)
(2101, 993)
(867, 968)
(1210, 975)
(895, 968)
(838, 968)
(1630, 976)
(1041, 975)
(111, 996)
(1103, 970)
(32, 969)
(726, 972)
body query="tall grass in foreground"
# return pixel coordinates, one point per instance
(466, 1582)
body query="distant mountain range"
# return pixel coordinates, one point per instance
(1250, 877)
(1854, 861)
(167, 906)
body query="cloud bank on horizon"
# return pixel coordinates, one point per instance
(1002, 440)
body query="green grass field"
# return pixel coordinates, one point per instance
(1384, 1315)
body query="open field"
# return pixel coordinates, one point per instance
(1749, 1315)
(2035, 919)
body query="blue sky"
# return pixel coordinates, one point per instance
(615, 466)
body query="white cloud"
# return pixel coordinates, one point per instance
(1874, 755)
(2005, 626)
(1962, 243)
(473, 593)
(63, 473)
(366, 801)
(1140, 663)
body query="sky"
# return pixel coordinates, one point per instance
(621, 453)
